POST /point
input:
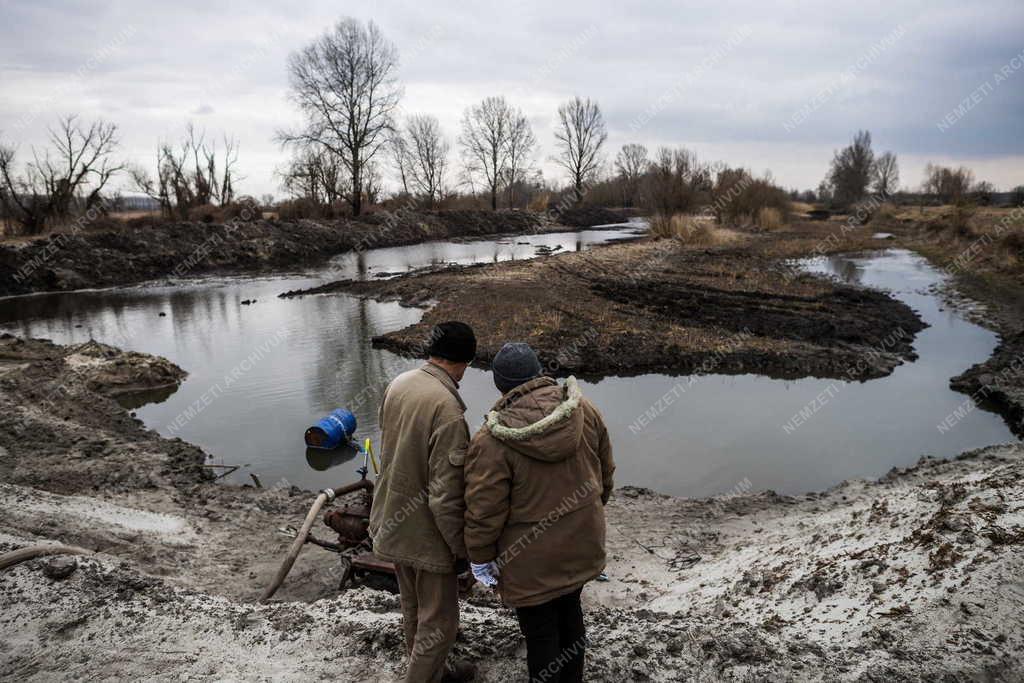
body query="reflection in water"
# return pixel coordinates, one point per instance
(141, 398)
(321, 460)
(844, 268)
(259, 375)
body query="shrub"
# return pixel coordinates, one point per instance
(147, 220)
(207, 213)
(295, 209)
(661, 225)
(950, 185)
(1012, 245)
(885, 212)
(539, 202)
(675, 182)
(246, 209)
(960, 220)
(738, 197)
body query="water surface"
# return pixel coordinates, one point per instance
(259, 374)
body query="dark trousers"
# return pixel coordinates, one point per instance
(555, 639)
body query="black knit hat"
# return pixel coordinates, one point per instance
(454, 341)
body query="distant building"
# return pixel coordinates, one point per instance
(137, 203)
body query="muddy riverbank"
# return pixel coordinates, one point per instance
(663, 306)
(914, 576)
(981, 251)
(999, 381)
(78, 466)
(126, 255)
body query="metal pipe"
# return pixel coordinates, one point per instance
(300, 538)
(33, 551)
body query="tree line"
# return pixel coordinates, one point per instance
(857, 173)
(345, 86)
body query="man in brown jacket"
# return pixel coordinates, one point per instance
(417, 517)
(538, 474)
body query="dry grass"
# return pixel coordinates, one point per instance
(960, 221)
(885, 212)
(1011, 251)
(677, 225)
(981, 240)
(770, 218)
(540, 202)
(129, 215)
(692, 230)
(802, 208)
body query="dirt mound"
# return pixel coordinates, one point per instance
(999, 381)
(587, 216)
(133, 254)
(98, 367)
(659, 306)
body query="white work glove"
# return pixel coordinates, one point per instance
(486, 573)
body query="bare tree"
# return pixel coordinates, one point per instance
(71, 175)
(484, 140)
(824, 192)
(189, 175)
(429, 155)
(982, 192)
(579, 137)
(346, 87)
(521, 144)
(676, 182)
(373, 182)
(886, 174)
(315, 176)
(851, 171)
(740, 198)
(631, 163)
(398, 153)
(951, 185)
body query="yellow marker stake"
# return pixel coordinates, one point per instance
(368, 446)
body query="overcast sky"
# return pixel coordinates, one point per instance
(764, 85)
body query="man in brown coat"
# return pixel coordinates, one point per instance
(417, 517)
(538, 474)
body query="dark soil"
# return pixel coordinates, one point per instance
(68, 261)
(45, 390)
(586, 216)
(999, 381)
(660, 306)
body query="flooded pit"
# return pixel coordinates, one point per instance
(261, 373)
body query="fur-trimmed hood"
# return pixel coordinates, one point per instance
(540, 419)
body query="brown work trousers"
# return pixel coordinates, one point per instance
(430, 615)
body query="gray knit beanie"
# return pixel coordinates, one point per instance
(515, 364)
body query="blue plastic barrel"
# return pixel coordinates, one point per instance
(332, 431)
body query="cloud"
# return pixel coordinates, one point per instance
(146, 65)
